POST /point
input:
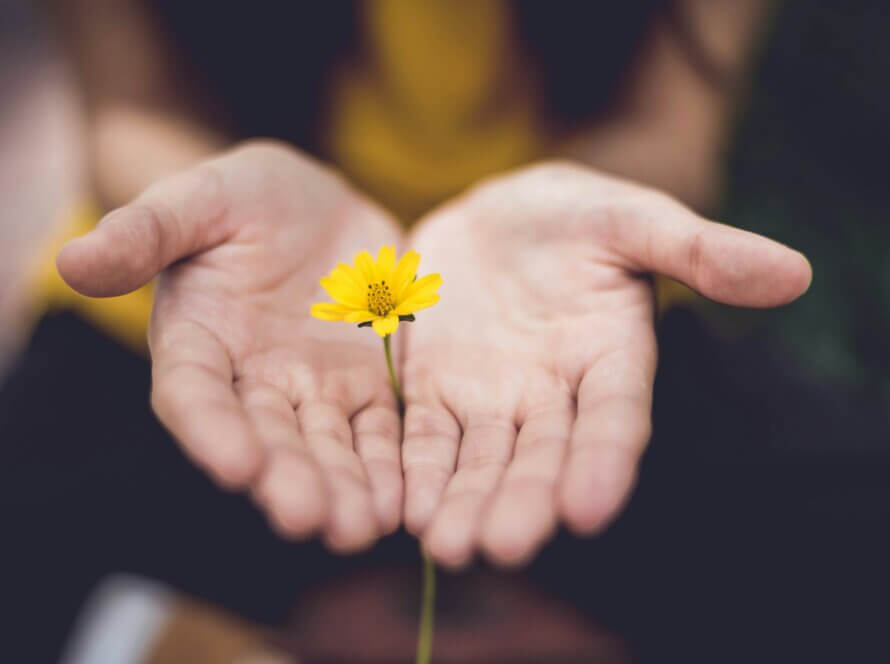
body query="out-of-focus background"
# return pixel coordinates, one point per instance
(42, 166)
(761, 504)
(810, 147)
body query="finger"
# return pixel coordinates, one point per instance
(352, 523)
(377, 434)
(192, 395)
(485, 450)
(429, 453)
(523, 513)
(290, 488)
(178, 216)
(610, 432)
(720, 262)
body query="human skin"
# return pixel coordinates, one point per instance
(528, 387)
(264, 397)
(534, 466)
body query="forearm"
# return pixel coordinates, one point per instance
(143, 117)
(671, 126)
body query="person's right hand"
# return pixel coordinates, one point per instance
(256, 391)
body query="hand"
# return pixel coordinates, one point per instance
(256, 391)
(529, 386)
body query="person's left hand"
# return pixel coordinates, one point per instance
(529, 387)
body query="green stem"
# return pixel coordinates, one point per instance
(396, 387)
(427, 611)
(428, 597)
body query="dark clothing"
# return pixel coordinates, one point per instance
(734, 540)
(758, 525)
(267, 67)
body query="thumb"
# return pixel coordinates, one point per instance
(723, 263)
(178, 216)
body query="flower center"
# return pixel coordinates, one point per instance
(380, 299)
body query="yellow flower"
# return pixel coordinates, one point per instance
(377, 293)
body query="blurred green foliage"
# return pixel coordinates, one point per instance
(809, 168)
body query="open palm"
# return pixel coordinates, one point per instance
(529, 386)
(255, 390)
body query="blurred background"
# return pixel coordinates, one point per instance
(42, 162)
(762, 506)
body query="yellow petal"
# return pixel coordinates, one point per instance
(404, 273)
(365, 264)
(360, 316)
(345, 293)
(416, 303)
(341, 281)
(329, 311)
(349, 275)
(384, 326)
(427, 285)
(386, 260)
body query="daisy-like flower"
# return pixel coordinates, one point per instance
(377, 293)
(380, 294)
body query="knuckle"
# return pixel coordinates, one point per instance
(462, 497)
(325, 422)
(494, 426)
(383, 469)
(484, 461)
(330, 429)
(625, 437)
(378, 423)
(695, 256)
(423, 423)
(145, 238)
(543, 446)
(346, 477)
(427, 473)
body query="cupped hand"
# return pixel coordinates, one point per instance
(256, 391)
(529, 387)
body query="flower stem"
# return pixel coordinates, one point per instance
(427, 611)
(396, 387)
(428, 596)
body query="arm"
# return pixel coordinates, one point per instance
(529, 403)
(144, 119)
(671, 126)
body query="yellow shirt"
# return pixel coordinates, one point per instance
(441, 100)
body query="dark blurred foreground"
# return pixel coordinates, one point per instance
(730, 546)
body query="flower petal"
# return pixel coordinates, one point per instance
(404, 273)
(385, 326)
(416, 303)
(329, 311)
(345, 293)
(365, 265)
(349, 275)
(355, 316)
(427, 285)
(340, 281)
(386, 260)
